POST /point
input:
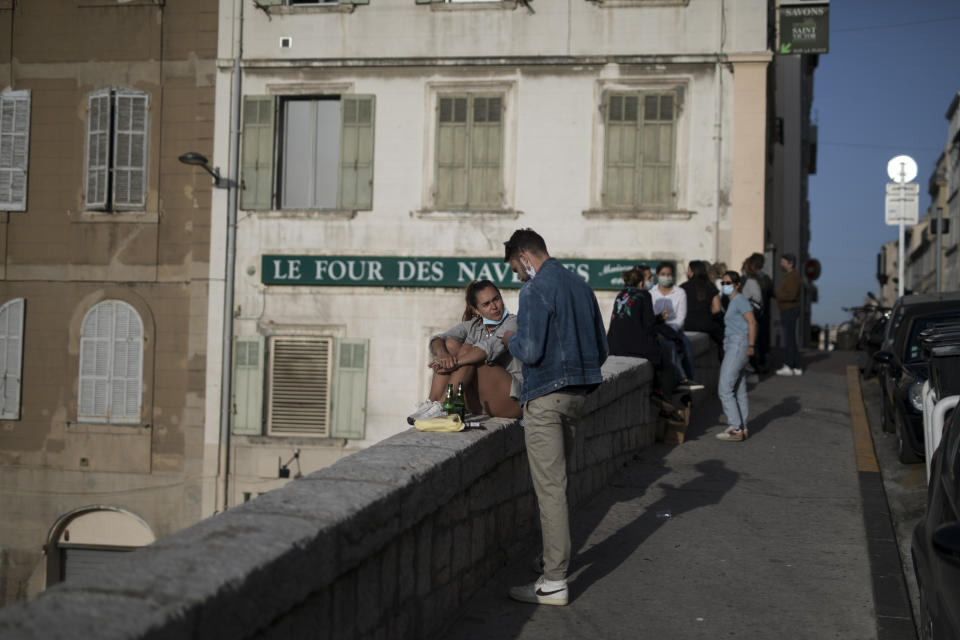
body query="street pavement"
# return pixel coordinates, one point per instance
(711, 539)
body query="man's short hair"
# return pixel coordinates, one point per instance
(789, 257)
(523, 240)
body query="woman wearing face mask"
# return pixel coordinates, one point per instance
(740, 334)
(472, 353)
(670, 303)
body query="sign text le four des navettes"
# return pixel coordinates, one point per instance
(392, 271)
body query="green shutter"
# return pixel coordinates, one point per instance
(427, 1)
(451, 169)
(357, 116)
(354, 1)
(270, 3)
(621, 152)
(350, 389)
(257, 162)
(656, 178)
(247, 405)
(486, 152)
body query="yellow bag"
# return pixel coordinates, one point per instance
(446, 424)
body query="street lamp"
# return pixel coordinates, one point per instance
(199, 160)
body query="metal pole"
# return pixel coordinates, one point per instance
(226, 364)
(939, 255)
(903, 176)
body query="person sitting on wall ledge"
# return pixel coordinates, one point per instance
(472, 353)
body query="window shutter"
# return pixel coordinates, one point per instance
(14, 149)
(298, 402)
(427, 1)
(451, 170)
(350, 389)
(357, 114)
(620, 154)
(486, 143)
(98, 149)
(130, 149)
(111, 364)
(248, 386)
(270, 3)
(257, 162)
(354, 1)
(95, 363)
(11, 358)
(656, 179)
(126, 369)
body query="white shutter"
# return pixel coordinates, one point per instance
(98, 149)
(111, 364)
(130, 149)
(126, 369)
(14, 149)
(11, 358)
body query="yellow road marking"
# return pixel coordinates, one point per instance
(862, 440)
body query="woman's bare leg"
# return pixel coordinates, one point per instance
(493, 386)
(467, 375)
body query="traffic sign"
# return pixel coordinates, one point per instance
(902, 203)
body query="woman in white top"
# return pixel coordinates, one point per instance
(670, 303)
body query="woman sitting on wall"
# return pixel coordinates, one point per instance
(473, 354)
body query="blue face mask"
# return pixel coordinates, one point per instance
(488, 322)
(727, 289)
(649, 285)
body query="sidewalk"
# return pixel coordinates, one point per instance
(711, 539)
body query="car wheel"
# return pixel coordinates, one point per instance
(904, 450)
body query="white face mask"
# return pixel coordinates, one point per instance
(529, 269)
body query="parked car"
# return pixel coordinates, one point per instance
(902, 369)
(936, 541)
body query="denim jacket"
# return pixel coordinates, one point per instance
(560, 337)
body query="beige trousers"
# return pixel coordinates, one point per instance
(550, 423)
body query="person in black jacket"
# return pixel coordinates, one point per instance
(632, 330)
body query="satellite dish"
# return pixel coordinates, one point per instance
(902, 168)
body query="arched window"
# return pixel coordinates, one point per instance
(11, 358)
(111, 364)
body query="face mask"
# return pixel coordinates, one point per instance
(496, 323)
(649, 285)
(727, 289)
(666, 281)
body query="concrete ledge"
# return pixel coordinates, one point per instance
(386, 543)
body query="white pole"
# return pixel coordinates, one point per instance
(903, 175)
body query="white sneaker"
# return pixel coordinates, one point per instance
(427, 409)
(785, 370)
(542, 591)
(798, 372)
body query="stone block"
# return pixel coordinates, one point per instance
(505, 518)
(441, 551)
(345, 607)
(407, 568)
(424, 557)
(311, 618)
(400, 625)
(368, 595)
(461, 545)
(513, 443)
(478, 539)
(389, 576)
(453, 512)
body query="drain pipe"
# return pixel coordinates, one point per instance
(718, 128)
(226, 373)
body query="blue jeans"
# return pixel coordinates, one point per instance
(687, 356)
(732, 388)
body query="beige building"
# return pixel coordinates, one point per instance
(390, 147)
(104, 268)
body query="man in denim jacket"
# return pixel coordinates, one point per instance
(561, 342)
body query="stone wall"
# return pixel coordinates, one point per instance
(386, 543)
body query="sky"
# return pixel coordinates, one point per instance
(882, 91)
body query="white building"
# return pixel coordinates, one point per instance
(400, 142)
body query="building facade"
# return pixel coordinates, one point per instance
(388, 148)
(104, 267)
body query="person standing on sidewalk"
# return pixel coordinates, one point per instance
(561, 342)
(739, 339)
(788, 299)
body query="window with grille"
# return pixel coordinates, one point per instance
(639, 150)
(116, 160)
(469, 154)
(111, 364)
(298, 402)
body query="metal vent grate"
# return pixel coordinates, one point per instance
(300, 373)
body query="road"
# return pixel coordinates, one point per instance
(760, 539)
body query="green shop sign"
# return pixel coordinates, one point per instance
(804, 28)
(382, 271)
